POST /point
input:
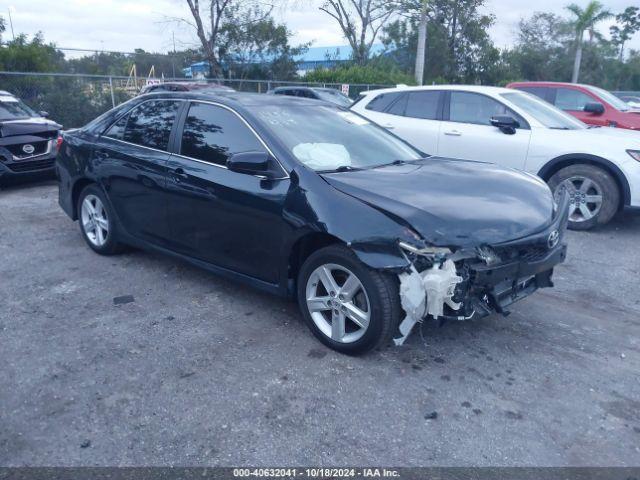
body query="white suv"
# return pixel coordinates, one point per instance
(600, 167)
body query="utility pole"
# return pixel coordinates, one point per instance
(422, 43)
(11, 24)
(173, 58)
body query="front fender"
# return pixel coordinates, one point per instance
(313, 206)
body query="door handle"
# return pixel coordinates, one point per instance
(389, 126)
(179, 174)
(453, 133)
(101, 154)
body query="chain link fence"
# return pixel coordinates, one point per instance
(73, 100)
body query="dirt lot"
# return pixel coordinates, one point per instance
(197, 370)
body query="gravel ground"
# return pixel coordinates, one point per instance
(142, 360)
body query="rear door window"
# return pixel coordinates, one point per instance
(540, 92)
(570, 99)
(212, 134)
(423, 105)
(148, 125)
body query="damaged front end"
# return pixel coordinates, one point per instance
(473, 282)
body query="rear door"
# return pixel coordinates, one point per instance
(226, 218)
(413, 115)
(131, 160)
(468, 134)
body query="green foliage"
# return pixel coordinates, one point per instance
(459, 48)
(24, 55)
(379, 72)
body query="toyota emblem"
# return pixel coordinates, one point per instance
(554, 238)
(28, 149)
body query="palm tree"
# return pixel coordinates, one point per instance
(585, 20)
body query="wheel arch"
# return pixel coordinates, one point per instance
(302, 248)
(78, 186)
(558, 163)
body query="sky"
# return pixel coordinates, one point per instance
(123, 25)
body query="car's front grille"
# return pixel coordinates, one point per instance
(523, 253)
(32, 149)
(31, 166)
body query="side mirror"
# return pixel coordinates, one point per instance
(250, 163)
(43, 114)
(595, 108)
(505, 123)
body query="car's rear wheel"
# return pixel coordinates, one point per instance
(97, 222)
(594, 196)
(348, 306)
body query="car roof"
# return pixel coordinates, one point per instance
(466, 88)
(235, 99)
(550, 84)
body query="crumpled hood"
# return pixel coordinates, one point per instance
(454, 202)
(28, 126)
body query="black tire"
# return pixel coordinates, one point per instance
(111, 246)
(381, 290)
(603, 181)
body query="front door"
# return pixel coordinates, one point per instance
(469, 135)
(229, 219)
(573, 101)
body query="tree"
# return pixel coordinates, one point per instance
(585, 20)
(259, 50)
(360, 22)
(418, 12)
(628, 24)
(213, 22)
(459, 48)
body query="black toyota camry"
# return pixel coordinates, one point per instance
(305, 199)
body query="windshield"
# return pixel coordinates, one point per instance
(13, 109)
(546, 114)
(326, 139)
(334, 96)
(610, 98)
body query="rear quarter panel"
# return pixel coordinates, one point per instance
(73, 166)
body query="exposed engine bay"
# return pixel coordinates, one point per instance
(466, 284)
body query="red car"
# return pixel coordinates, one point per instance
(592, 105)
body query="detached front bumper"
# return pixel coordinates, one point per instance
(477, 282)
(508, 283)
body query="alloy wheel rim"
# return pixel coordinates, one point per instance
(95, 222)
(338, 303)
(585, 197)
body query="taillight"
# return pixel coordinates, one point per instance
(59, 143)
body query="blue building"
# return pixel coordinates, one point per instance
(312, 59)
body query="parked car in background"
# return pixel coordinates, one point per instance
(330, 95)
(589, 104)
(303, 198)
(184, 87)
(632, 101)
(600, 167)
(28, 140)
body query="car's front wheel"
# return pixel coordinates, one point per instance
(97, 222)
(348, 306)
(594, 196)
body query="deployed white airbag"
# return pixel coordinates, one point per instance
(322, 156)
